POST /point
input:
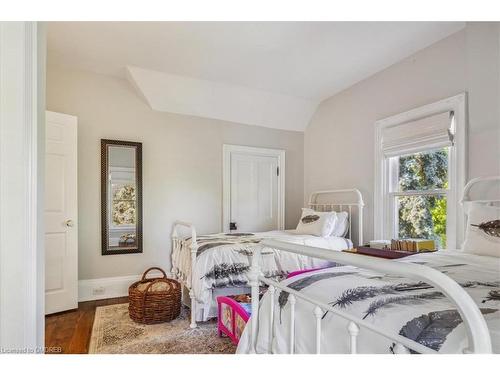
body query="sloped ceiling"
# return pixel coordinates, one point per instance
(270, 74)
(222, 101)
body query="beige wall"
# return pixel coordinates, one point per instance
(182, 165)
(339, 142)
(182, 154)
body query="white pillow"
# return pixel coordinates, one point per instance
(480, 237)
(341, 225)
(316, 223)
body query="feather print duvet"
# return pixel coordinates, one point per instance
(411, 308)
(223, 261)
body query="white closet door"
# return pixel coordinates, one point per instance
(61, 210)
(254, 192)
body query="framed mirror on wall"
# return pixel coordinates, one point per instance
(121, 197)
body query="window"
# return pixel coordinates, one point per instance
(419, 193)
(420, 173)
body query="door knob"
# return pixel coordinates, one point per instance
(69, 223)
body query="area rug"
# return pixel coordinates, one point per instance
(115, 333)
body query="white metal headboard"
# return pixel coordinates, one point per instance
(339, 207)
(466, 197)
(467, 200)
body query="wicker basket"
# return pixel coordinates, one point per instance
(154, 300)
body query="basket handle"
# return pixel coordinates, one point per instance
(153, 268)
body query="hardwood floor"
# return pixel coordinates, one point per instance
(69, 332)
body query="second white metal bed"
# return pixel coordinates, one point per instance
(478, 335)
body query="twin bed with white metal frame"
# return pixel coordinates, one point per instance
(455, 297)
(186, 254)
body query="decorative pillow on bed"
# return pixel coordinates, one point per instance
(316, 223)
(482, 235)
(341, 224)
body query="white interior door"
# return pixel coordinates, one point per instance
(255, 190)
(61, 210)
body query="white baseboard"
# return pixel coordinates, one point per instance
(109, 287)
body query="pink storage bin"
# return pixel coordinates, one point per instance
(232, 317)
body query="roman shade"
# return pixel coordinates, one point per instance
(435, 131)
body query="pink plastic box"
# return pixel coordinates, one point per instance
(232, 317)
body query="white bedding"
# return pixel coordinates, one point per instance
(223, 261)
(417, 311)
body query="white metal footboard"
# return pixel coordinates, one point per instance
(177, 247)
(479, 340)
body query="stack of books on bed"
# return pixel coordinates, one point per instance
(395, 249)
(413, 245)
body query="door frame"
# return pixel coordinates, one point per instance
(227, 151)
(22, 148)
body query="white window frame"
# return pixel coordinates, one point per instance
(384, 211)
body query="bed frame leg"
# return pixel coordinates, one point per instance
(194, 250)
(318, 313)
(253, 277)
(193, 309)
(400, 349)
(353, 332)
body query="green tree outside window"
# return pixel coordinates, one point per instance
(423, 216)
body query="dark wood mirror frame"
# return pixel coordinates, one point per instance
(137, 248)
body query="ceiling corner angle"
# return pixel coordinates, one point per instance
(217, 100)
(132, 79)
